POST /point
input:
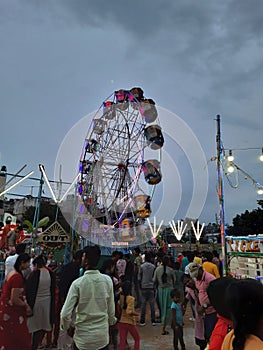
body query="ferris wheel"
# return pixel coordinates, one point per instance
(113, 169)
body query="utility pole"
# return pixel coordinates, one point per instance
(37, 211)
(220, 192)
(2, 188)
(69, 245)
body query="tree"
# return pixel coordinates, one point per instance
(46, 210)
(41, 223)
(50, 210)
(248, 223)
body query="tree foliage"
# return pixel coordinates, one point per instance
(41, 223)
(46, 210)
(50, 210)
(248, 223)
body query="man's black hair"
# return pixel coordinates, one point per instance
(78, 255)
(92, 255)
(175, 293)
(20, 248)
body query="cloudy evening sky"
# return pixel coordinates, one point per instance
(59, 59)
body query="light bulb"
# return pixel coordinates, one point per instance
(230, 169)
(260, 190)
(261, 156)
(230, 157)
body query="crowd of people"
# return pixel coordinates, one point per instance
(11, 235)
(94, 304)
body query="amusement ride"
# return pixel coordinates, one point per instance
(119, 168)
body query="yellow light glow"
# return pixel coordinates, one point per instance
(230, 169)
(230, 157)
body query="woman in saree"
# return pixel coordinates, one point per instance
(14, 308)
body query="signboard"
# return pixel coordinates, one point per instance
(53, 236)
(246, 244)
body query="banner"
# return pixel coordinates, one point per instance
(246, 244)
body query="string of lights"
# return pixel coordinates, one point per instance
(222, 160)
(231, 168)
(230, 156)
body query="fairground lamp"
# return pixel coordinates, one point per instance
(230, 167)
(230, 157)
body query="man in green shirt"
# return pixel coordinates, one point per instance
(93, 300)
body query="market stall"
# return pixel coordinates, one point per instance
(245, 256)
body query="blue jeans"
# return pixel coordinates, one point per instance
(136, 284)
(147, 295)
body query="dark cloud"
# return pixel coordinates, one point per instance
(202, 25)
(60, 58)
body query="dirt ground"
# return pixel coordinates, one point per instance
(151, 338)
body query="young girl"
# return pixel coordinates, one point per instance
(177, 320)
(191, 292)
(128, 321)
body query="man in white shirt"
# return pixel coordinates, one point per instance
(11, 259)
(92, 296)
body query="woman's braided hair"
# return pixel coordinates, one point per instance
(165, 261)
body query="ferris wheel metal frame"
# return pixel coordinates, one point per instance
(113, 159)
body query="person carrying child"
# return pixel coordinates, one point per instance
(177, 319)
(128, 318)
